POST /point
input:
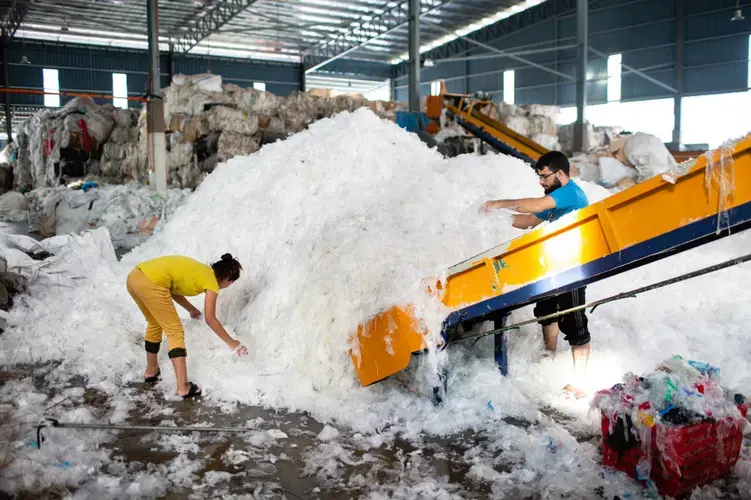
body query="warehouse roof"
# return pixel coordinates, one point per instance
(373, 30)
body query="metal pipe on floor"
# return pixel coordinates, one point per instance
(51, 422)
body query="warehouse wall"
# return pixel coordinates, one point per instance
(89, 69)
(715, 58)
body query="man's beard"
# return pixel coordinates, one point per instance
(556, 185)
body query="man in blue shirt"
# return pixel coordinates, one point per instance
(562, 195)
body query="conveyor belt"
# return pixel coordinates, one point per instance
(642, 224)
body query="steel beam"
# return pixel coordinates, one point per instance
(170, 64)
(215, 15)
(156, 152)
(496, 56)
(522, 20)
(12, 20)
(680, 35)
(638, 72)
(414, 56)
(365, 32)
(6, 105)
(582, 28)
(506, 54)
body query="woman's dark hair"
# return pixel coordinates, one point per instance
(227, 269)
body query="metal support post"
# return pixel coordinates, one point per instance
(157, 155)
(6, 98)
(414, 55)
(581, 73)
(170, 64)
(680, 32)
(303, 83)
(501, 347)
(466, 67)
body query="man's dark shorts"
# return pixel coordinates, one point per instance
(573, 325)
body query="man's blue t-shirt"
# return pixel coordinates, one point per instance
(567, 199)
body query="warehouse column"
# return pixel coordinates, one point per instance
(303, 83)
(680, 31)
(170, 64)
(581, 73)
(157, 155)
(6, 97)
(414, 55)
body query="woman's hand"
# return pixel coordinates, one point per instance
(195, 313)
(216, 325)
(237, 347)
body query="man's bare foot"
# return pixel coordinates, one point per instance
(570, 390)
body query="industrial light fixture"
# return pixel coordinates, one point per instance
(738, 15)
(25, 60)
(429, 63)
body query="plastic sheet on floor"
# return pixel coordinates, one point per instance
(74, 258)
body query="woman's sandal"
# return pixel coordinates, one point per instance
(193, 392)
(152, 379)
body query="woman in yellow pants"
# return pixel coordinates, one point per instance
(155, 284)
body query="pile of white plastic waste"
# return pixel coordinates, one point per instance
(207, 122)
(78, 139)
(210, 122)
(595, 136)
(130, 212)
(624, 160)
(59, 262)
(536, 121)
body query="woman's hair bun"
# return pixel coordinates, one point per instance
(227, 257)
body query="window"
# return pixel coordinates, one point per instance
(259, 86)
(120, 90)
(654, 116)
(435, 88)
(614, 77)
(700, 127)
(381, 92)
(51, 81)
(508, 87)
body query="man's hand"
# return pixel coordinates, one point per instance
(488, 206)
(491, 205)
(195, 313)
(237, 348)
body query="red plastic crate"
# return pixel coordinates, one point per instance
(686, 457)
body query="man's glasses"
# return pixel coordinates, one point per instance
(545, 176)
